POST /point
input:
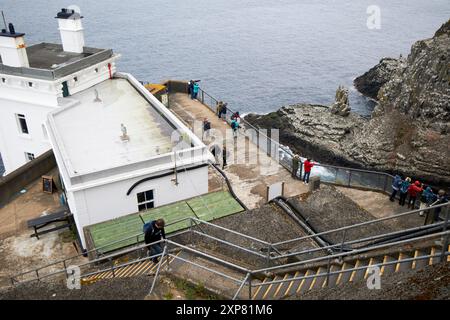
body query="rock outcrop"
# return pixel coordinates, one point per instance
(408, 132)
(341, 105)
(370, 82)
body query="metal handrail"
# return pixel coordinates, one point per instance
(288, 151)
(351, 269)
(96, 249)
(356, 251)
(339, 245)
(395, 216)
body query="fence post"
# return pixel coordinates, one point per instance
(159, 267)
(445, 240)
(250, 287)
(269, 248)
(342, 243)
(112, 267)
(328, 272)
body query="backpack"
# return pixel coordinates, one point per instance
(147, 226)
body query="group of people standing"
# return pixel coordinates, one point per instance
(307, 166)
(409, 193)
(193, 88)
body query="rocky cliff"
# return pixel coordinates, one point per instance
(370, 82)
(408, 132)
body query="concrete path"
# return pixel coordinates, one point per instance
(249, 171)
(378, 205)
(31, 204)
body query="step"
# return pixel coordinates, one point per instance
(259, 291)
(293, 285)
(403, 266)
(435, 260)
(372, 262)
(420, 263)
(388, 269)
(281, 288)
(270, 289)
(344, 276)
(331, 280)
(305, 284)
(359, 274)
(319, 279)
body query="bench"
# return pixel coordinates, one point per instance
(41, 222)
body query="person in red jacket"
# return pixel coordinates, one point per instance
(413, 191)
(307, 165)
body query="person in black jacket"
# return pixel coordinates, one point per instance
(155, 232)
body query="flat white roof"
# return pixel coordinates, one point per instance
(89, 132)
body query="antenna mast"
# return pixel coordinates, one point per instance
(4, 20)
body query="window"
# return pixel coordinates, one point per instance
(75, 79)
(96, 70)
(29, 156)
(30, 84)
(145, 200)
(22, 122)
(4, 80)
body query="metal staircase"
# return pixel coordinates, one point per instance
(293, 283)
(284, 273)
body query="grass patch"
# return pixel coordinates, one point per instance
(194, 292)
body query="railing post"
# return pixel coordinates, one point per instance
(191, 241)
(203, 97)
(445, 240)
(159, 267)
(269, 249)
(112, 267)
(349, 177)
(342, 243)
(250, 287)
(328, 272)
(65, 268)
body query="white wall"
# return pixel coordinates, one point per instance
(13, 143)
(98, 204)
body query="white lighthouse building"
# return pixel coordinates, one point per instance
(118, 149)
(34, 79)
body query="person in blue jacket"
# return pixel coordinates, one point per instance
(395, 186)
(404, 191)
(195, 89)
(426, 199)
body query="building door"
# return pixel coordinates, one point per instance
(65, 89)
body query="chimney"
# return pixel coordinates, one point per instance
(13, 51)
(71, 30)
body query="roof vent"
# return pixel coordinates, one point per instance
(11, 28)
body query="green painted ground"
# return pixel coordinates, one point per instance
(207, 207)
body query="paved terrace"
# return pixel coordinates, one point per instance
(249, 181)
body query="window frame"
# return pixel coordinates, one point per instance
(19, 118)
(146, 202)
(29, 156)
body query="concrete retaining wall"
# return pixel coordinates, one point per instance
(12, 183)
(176, 86)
